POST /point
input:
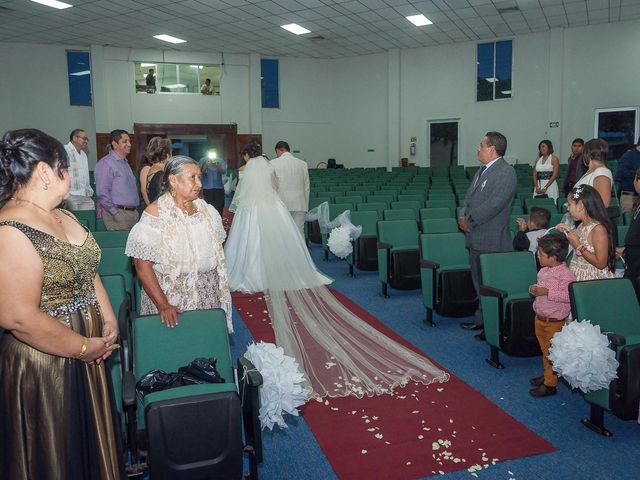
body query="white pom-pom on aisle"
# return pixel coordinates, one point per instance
(282, 389)
(340, 242)
(580, 353)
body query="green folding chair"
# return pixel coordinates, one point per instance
(175, 421)
(398, 255)
(507, 307)
(619, 318)
(445, 276)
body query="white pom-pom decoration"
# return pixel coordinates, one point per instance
(580, 353)
(282, 390)
(340, 242)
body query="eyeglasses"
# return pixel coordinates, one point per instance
(86, 139)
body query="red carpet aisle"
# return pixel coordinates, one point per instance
(416, 432)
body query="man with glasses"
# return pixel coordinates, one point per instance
(484, 216)
(81, 191)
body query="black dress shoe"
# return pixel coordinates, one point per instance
(537, 381)
(480, 336)
(543, 391)
(470, 326)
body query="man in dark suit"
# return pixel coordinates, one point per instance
(484, 216)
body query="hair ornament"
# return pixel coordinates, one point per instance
(578, 193)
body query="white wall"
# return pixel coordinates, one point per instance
(34, 92)
(343, 108)
(306, 115)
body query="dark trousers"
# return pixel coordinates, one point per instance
(215, 198)
(474, 263)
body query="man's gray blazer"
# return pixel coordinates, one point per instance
(487, 207)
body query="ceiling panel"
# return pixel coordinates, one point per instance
(348, 27)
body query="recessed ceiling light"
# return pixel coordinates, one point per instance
(419, 20)
(80, 74)
(168, 38)
(53, 3)
(295, 28)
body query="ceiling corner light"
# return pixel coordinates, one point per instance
(53, 3)
(168, 38)
(419, 20)
(295, 28)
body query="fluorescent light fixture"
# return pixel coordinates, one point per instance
(199, 67)
(491, 79)
(175, 85)
(168, 38)
(419, 20)
(53, 3)
(295, 28)
(80, 74)
(147, 65)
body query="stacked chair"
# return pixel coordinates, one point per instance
(507, 307)
(613, 305)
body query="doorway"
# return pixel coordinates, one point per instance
(443, 138)
(619, 127)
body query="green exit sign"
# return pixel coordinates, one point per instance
(554, 124)
(296, 151)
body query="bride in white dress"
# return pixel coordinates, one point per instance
(339, 352)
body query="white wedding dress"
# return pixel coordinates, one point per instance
(340, 353)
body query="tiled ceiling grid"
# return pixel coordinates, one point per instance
(341, 28)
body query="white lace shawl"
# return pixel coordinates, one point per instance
(169, 243)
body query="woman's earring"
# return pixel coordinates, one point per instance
(45, 186)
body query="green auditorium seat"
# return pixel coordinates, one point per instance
(445, 276)
(177, 421)
(548, 203)
(412, 197)
(619, 317)
(116, 238)
(506, 304)
(399, 214)
(440, 225)
(410, 204)
(377, 207)
(437, 212)
(398, 255)
(87, 215)
(365, 255)
(380, 198)
(113, 261)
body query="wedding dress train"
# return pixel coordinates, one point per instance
(340, 353)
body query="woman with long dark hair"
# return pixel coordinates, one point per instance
(593, 242)
(158, 151)
(56, 419)
(545, 171)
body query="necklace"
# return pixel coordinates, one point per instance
(52, 212)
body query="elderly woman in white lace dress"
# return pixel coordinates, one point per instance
(177, 249)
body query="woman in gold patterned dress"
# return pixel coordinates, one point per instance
(56, 418)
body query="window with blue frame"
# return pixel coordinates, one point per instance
(269, 83)
(494, 70)
(79, 73)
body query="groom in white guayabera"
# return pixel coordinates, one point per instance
(292, 182)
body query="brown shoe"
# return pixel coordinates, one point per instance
(537, 381)
(543, 391)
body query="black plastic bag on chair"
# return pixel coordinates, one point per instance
(155, 381)
(203, 369)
